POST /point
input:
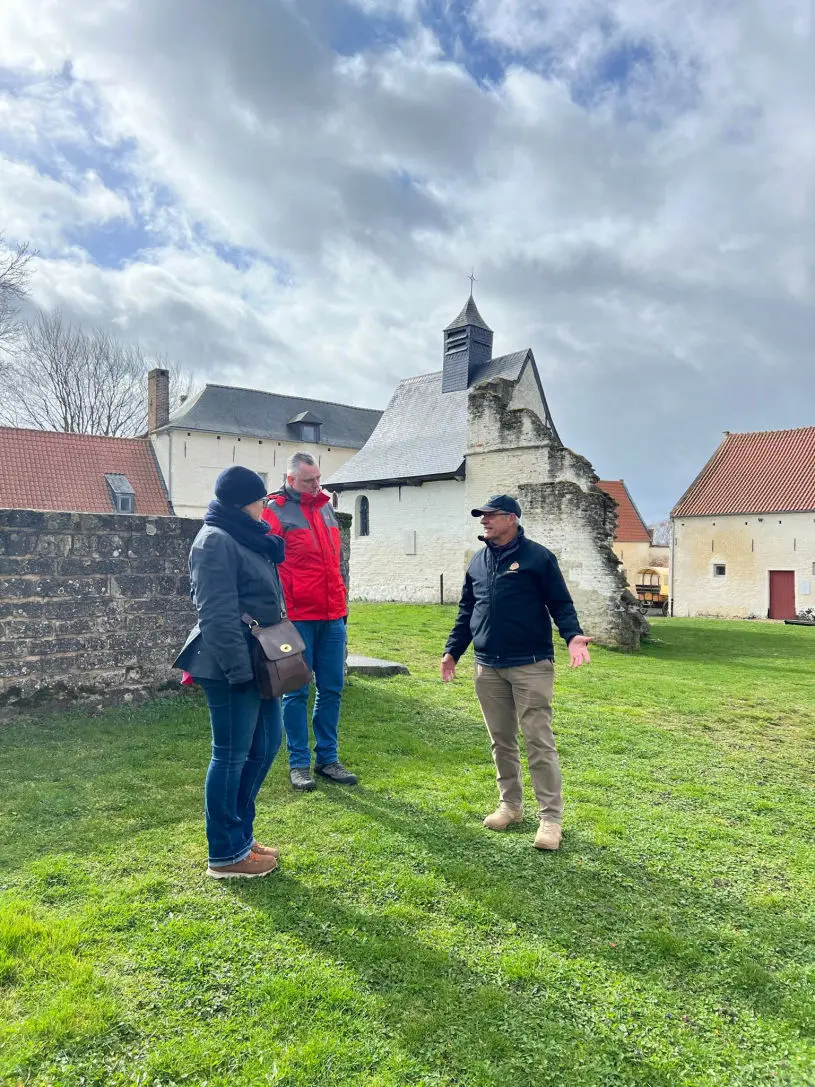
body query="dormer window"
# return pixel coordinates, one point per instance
(306, 427)
(121, 493)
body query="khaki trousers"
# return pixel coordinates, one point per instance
(522, 696)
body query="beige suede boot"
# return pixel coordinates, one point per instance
(548, 836)
(503, 817)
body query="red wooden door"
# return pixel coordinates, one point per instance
(782, 594)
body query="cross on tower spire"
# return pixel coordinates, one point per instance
(472, 280)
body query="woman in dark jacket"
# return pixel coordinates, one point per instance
(233, 572)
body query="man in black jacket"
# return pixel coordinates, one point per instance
(511, 589)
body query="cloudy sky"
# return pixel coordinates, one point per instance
(288, 194)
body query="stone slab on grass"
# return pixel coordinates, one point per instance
(372, 666)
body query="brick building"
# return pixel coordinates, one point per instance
(448, 440)
(48, 470)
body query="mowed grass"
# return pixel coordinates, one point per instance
(670, 942)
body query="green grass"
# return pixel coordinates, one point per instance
(669, 943)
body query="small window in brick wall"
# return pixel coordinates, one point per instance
(121, 493)
(719, 569)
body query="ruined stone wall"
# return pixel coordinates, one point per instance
(420, 532)
(345, 521)
(511, 451)
(93, 607)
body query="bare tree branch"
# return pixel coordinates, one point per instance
(61, 377)
(660, 533)
(15, 271)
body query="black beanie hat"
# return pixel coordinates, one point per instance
(237, 486)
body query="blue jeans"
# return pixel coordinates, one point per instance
(325, 653)
(246, 735)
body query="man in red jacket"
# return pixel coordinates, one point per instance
(315, 579)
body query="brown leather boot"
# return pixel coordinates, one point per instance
(252, 867)
(502, 817)
(266, 850)
(548, 836)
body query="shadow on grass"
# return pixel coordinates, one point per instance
(606, 909)
(445, 1014)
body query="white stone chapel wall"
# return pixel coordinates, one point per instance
(417, 535)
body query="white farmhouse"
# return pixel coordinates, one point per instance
(223, 425)
(446, 442)
(744, 531)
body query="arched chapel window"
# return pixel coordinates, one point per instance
(363, 518)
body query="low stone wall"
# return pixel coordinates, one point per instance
(344, 520)
(93, 607)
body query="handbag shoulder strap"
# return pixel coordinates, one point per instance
(283, 610)
(252, 623)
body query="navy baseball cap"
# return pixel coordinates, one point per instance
(499, 503)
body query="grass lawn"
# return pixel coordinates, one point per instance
(669, 943)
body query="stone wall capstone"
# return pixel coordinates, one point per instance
(93, 607)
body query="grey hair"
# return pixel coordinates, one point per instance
(296, 460)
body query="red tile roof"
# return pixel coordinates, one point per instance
(44, 470)
(630, 526)
(769, 471)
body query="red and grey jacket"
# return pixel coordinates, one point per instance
(314, 574)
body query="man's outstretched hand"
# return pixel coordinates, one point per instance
(579, 651)
(448, 668)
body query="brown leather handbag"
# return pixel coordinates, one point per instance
(278, 657)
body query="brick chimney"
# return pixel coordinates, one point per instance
(158, 399)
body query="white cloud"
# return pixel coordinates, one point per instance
(636, 194)
(48, 210)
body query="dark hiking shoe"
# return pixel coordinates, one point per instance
(337, 773)
(252, 867)
(301, 779)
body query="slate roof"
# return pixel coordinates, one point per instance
(256, 414)
(508, 366)
(469, 316)
(630, 526)
(46, 470)
(769, 471)
(423, 432)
